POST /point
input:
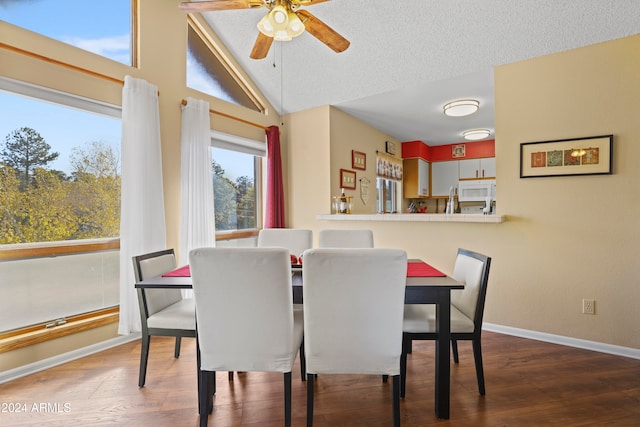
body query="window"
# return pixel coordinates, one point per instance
(59, 187)
(236, 182)
(386, 195)
(104, 28)
(208, 73)
(59, 168)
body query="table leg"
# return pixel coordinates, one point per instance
(200, 411)
(443, 363)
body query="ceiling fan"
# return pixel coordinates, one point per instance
(284, 21)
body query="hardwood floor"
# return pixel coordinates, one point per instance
(529, 383)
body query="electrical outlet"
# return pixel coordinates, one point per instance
(588, 306)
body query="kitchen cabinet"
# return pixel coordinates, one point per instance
(415, 182)
(444, 175)
(477, 168)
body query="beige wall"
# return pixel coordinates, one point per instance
(566, 238)
(163, 41)
(570, 238)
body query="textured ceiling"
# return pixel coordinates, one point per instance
(407, 58)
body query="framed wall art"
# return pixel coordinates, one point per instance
(580, 156)
(391, 147)
(358, 160)
(459, 150)
(347, 179)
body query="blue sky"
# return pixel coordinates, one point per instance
(62, 128)
(98, 26)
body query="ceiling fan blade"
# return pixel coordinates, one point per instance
(261, 47)
(323, 32)
(206, 6)
(309, 2)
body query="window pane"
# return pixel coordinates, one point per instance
(207, 74)
(59, 172)
(59, 181)
(103, 28)
(235, 195)
(386, 195)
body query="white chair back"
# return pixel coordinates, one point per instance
(470, 271)
(345, 239)
(244, 309)
(157, 299)
(353, 310)
(295, 239)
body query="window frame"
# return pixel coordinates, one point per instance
(37, 333)
(249, 146)
(206, 35)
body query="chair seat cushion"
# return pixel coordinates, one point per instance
(179, 315)
(421, 318)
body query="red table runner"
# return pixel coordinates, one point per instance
(422, 269)
(179, 272)
(414, 269)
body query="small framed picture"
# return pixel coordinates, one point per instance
(459, 150)
(391, 147)
(358, 160)
(347, 179)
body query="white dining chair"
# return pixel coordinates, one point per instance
(467, 309)
(244, 310)
(163, 312)
(345, 239)
(345, 329)
(297, 240)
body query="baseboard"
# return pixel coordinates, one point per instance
(41, 365)
(568, 341)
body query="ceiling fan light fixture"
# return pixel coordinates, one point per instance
(281, 23)
(476, 134)
(296, 27)
(461, 107)
(266, 27)
(279, 15)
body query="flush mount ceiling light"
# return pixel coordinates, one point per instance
(461, 107)
(476, 134)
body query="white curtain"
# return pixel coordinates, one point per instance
(197, 216)
(142, 222)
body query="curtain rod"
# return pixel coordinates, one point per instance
(228, 116)
(60, 63)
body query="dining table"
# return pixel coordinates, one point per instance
(424, 285)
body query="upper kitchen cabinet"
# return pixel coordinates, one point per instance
(415, 178)
(444, 175)
(477, 168)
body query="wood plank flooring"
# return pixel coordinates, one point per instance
(529, 383)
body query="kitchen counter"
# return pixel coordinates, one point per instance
(408, 217)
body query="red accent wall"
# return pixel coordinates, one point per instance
(440, 153)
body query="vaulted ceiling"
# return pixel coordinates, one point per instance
(407, 58)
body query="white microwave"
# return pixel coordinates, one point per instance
(476, 190)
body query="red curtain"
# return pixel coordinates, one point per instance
(274, 207)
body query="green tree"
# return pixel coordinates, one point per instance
(24, 150)
(246, 202)
(224, 195)
(96, 195)
(47, 214)
(10, 204)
